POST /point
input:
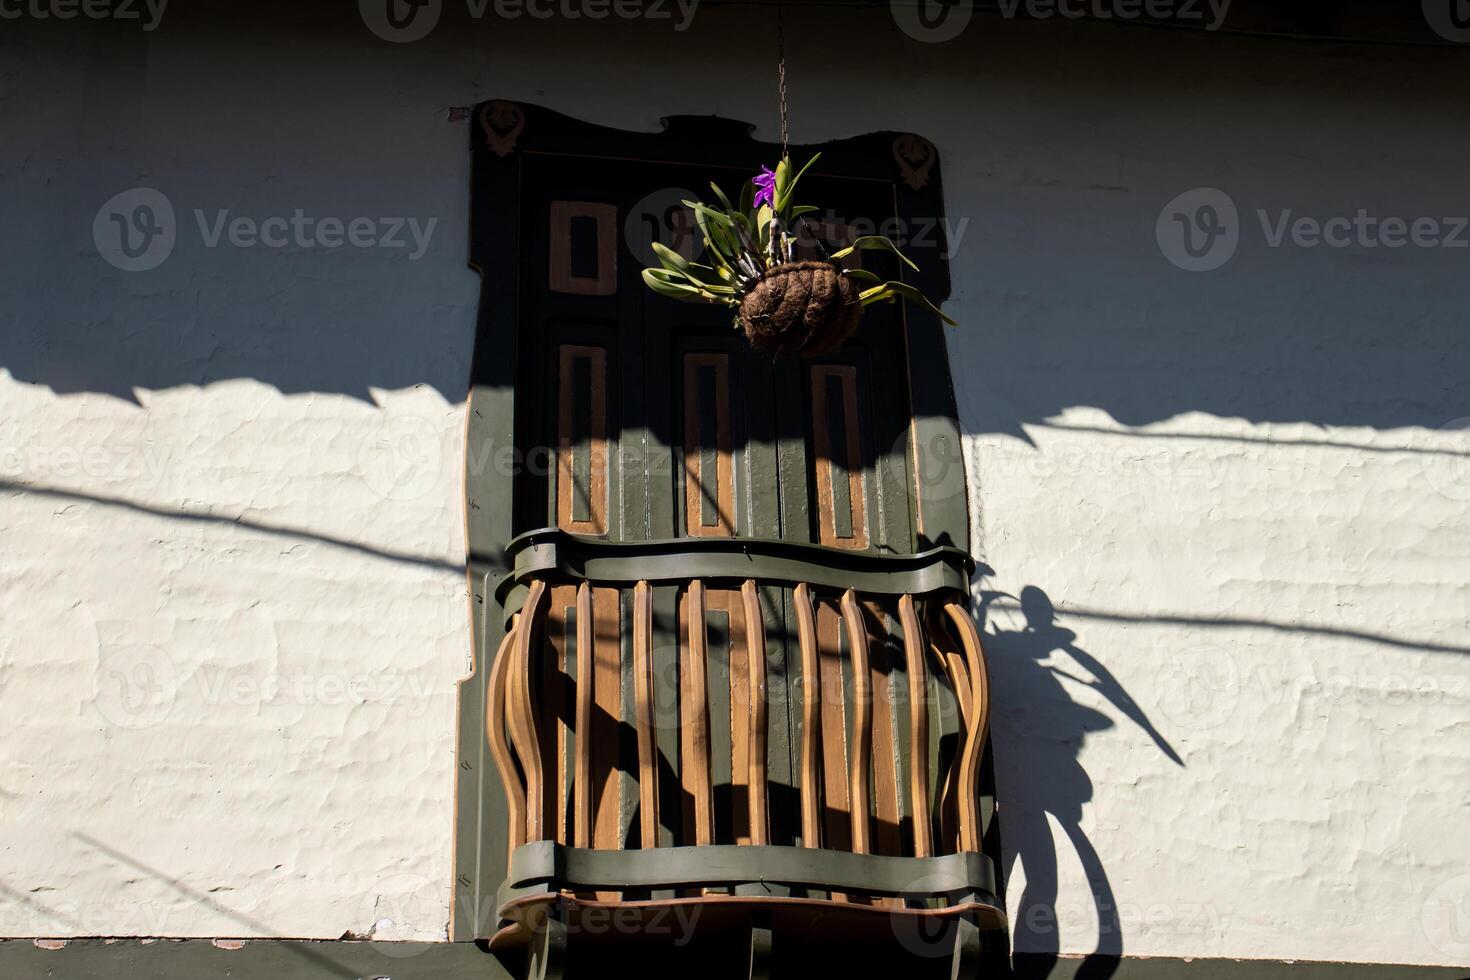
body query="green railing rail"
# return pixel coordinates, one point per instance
(557, 555)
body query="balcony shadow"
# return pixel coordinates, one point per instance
(1040, 730)
(202, 517)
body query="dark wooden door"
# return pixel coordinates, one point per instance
(672, 424)
(660, 421)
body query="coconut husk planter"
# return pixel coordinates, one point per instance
(800, 309)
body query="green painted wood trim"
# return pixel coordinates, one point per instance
(292, 959)
(536, 865)
(575, 558)
(480, 807)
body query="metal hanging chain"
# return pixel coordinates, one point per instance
(781, 72)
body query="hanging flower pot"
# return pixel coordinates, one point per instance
(783, 306)
(800, 309)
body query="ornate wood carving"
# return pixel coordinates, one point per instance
(916, 157)
(502, 123)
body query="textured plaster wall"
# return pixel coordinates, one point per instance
(1223, 514)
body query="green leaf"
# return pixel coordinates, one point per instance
(722, 267)
(713, 214)
(874, 242)
(747, 200)
(784, 191)
(890, 290)
(805, 167)
(666, 275)
(763, 219)
(673, 290)
(717, 234)
(675, 275)
(746, 233)
(724, 201)
(660, 281)
(797, 212)
(861, 274)
(783, 175)
(670, 258)
(680, 278)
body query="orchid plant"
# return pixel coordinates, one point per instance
(745, 243)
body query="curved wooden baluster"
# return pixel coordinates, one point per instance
(643, 701)
(697, 701)
(959, 680)
(913, 642)
(949, 799)
(811, 703)
(582, 746)
(960, 677)
(500, 750)
(755, 638)
(861, 758)
(523, 714)
(979, 692)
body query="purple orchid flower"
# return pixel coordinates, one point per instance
(765, 183)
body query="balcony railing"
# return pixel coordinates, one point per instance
(934, 703)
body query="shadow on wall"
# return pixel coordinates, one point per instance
(321, 324)
(1046, 738)
(1146, 343)
(1272, 372)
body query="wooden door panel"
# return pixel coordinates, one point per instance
(837, 461)
(583, 406)
(661, 406)
(583, 251)
(707, 473)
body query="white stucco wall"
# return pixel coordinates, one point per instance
(233, 609)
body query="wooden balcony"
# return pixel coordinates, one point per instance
(643, 690)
